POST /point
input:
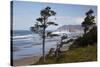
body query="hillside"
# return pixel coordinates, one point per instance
(83, 54)
(70, 28)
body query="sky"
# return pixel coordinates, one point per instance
(25, 14)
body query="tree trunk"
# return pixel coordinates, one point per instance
(84, 31)
(44, 41)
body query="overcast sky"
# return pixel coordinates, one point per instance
(25, 14)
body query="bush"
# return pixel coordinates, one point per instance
(87, 39)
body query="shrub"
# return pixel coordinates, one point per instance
(87, 39)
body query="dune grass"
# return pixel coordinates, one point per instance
(82, 54)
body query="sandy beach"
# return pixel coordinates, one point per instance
(26, 61)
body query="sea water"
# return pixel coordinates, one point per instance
(28, 44)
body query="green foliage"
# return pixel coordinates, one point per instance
(86, 39)
(88, 20)
(70, 40)
(92, 35)
(52, 35)
(47, 12)
(42, 21)
(52, 23)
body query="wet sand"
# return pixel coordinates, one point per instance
(26, 61)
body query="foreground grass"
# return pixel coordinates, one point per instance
(81, 54)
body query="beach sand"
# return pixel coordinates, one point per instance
(26, 61)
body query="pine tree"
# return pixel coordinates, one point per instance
(88, 20)
(42, 23)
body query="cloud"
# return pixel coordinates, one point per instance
(66, 20)
(78, 20)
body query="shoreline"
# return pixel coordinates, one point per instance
(26, 61)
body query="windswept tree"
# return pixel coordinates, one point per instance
(42, 23)
(88, 20)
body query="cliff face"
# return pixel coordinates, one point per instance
(70, 28)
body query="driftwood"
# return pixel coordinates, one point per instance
(51, 52)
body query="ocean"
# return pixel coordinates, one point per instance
(29, 44)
